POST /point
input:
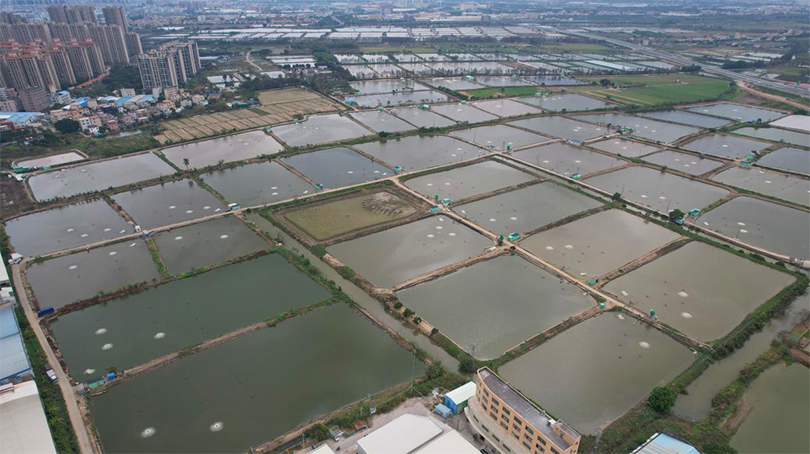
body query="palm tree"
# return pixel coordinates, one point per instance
(185, 162)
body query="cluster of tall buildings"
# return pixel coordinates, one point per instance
(170, 65)
(70, 48)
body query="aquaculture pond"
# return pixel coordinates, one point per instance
(696, 403)
(788, 158)
(65, 227)
(63, 280)
(776, 135)
(785, 187)
(499, 137)
(420, 152)
(762, 224)
(659, 190)
(642, 127)
(381, 121)
(168, 203)
(319, 129)
(53, 160)
(338, 167)
(624, 147)
(209, 152)
(734, 111)
(130, 331)
(505, 107)
(453, 83)
(422, 118)
(588, 387)
(98, 176)
(726, 146)
(400, 98)
(686, 118)
(567, 160)
(463, 113)
(463, 182)
(700, 290)
(502, 81)
(488, 316)
(401, 253)
(365, 87)
(600, 243)
(779, 419)
(329, 219)
(684, 162)
(562, 127)
(257, 184)
(570, 102)
(225, 400)
(207, 243)
(526, 209)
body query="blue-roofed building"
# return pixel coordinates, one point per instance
(664, 444)
(13, 359)
(22, 119)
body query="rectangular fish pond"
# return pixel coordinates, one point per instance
(642, 127)
(257, 184)
(791, 188)
(776, 135)
(422, 118)
(319, 129)
(210, 152)
(420, 152)
(467, 181)
(338, 167)
(463, 113)
(400, 98)
(168, 203)
(233, 396)
(381, 121)
(500, 137)
(570, 102)
(505, 107)
(788, 158)
(684, 162)
(568, 160)
(733, 111)
(624, 147)
(726, 146)
(53, 160)
(563, 127)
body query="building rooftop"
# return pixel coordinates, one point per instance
(664, 444)
(451, 442)
(13, 360)
(462, 393)
(526, 409)
(24, 429)
(19, 117)
(400, 436)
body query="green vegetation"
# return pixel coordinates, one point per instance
(119, 77)
(649, 90)
(67, 126)
(51, 143)
(52, 400)
(661, 399)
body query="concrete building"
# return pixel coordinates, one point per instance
(34, 99)
(9, 105)
(72, 15)
(133, 42)
(111, 41)
(114, 15)
(414, 434)
(511, 423)
(171, 65)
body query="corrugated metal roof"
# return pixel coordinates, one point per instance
(462, 393)
(13, 360)
(400, 436)
(8, 324)
(664, 444)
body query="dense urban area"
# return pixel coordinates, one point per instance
(405, 227)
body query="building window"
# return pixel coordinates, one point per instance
(516, 427)
(507, 448)
(542, 449)
(504, 426)
(528, 437)
(518, 422)
(526, 445)
(496, 438)
(486, 392)
(542, 441)
(476, 419)
(507, 411)
(492, 415)
(529, 429)
(554, 451)
(517, 437)
(494, 410)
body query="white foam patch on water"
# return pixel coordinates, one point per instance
(430, 184)
(107, 229)
(89, 371)
(492, 220)
(430, 235)
(160, 335)
(549, 248)
(133, 244)
(451, 234)
(686, 315)
(113, 253)
(274, 187)
(172, 207)
(438, 227)
(275, 193)
(206, 207)
(620, 316)
(624, 293)
(743, 231)
(123, 231)
(106, 346)
(178, 238)
(513, 218)
(683, 294)
(350, 172)
(568, 246)
(73, 267)
(101, 331)
(217, 426)
(148, 432)
(189, 211)
(70, 230)
(441, 219)
(643, 344)
(84, 235)
(643, 196)
(447, 184)
(222, 237)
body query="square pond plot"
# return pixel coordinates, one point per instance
(598, 244)
(232, 396)
(381, 121)
(65, 227)
(686, 118)
(788, 158)
(505, 107)
(320, 129)
(227, 149)
(790, 188)
(172, 316)
(422, 118)
(400, 98)
(463, 182)
(763, 224)
(776, 135)
(168, 203)
(568, 102)
(463, 113)
(404, 252)
(420, 152)
(684, 162)
(661, 191)
(726, 146)
(700, 290)
(624, 147)
(60, 281)
(488, 315)
(500, 137)
(207, 243)
(338, 167)
(567, 159)
(562, 127)
(257, 184)
(98, 176)
(526, 209)
(733, 111)
(598, 370)
(642, 127)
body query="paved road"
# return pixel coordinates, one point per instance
(86, 445)
(803, 92)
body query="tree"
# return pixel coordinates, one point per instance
(676, 215)
(466, 364)
(67, 126)
(185, 162)
(661, 399)
(605, 82)
(616, 196)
